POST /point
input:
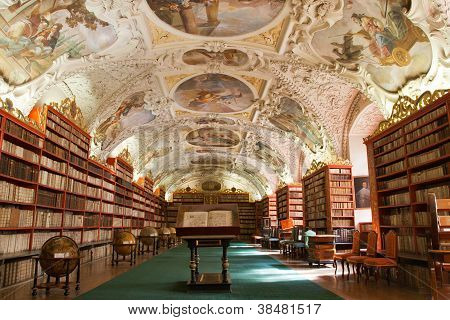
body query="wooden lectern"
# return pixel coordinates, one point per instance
(208, 226)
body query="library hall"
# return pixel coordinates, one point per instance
(294, 150)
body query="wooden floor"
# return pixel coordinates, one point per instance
(95, 273)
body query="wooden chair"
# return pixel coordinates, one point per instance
(342, 257)
(358, 261)
(273, 239)
(389, 261)
(439, 248)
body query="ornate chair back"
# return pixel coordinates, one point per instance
(391, 245)
(356, 246)
(372, 244)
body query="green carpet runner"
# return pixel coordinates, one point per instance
(254, 275)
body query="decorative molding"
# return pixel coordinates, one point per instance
(234, 190)
(161, 36)
(317, 165)
(171, 81)
(69, 108)
(269, 38)
(125, 155)
(406, 106)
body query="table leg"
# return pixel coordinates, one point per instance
(35, 280)
(225, 263)
(66, 286)
(77, 288)
(192, 264)
(197, 262)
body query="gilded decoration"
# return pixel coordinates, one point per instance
(405, 106)
(39, 123)
(317, 165)
(68, 108)
(97, 159)
(269, 38)
(234, 190)
(173, 80)
(255, 82)
(125, 155)
(161, 36)
(187, 190)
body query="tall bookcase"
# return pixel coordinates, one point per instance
(269, 210)
(406, 162)
(289, 203)
(329, 201)
(247, 211)
(50, 187)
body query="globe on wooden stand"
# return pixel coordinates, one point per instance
(148, 237)
(164, 237)
(59, 257)
(124, 244)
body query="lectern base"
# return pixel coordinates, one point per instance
(210, 282)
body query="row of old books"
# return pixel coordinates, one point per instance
(23, 134)
(74, 234)
(397, 217)
(77, 174)
(426, 129)
(395, 199)
(56, 150)
(17, 271)
(39, 237)
(342, 198)
(75, 202)
(20, 152)
(50, 198)
(52, 180)
(125, 211)
(75, 186)
(15, 217)
(57, 139)
(439, 112)
(343, 213)
(91, 220)
(12, 242)
(343, 235)
(18, 169)
(336, 222)
(78, 151)
(46, 218)
(317, 223)
(105, 234)
(341, 184)
(107, 208)
(388, 146)
(90, 236)
(393, 155)
(429, 155)
(106, 221)
(78, 161)
(138, 213)
(73, 219)
(431, 173)
(392, 183)
(14, 193)
(392, 168)
(94, 180)
(428, 140)
(53, 164)
(341, 191)
(93, 205)
(342, 205)
(441, 191)
(393, 136)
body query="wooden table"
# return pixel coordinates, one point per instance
(209, 281)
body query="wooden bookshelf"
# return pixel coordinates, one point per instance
(289, 203)
(406, 162)
(50, 187)
(188, 197)
(329, 201)
(269, 210)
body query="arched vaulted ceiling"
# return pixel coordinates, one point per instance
(245, 92)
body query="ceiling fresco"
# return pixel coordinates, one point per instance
(213, 92)
(223, 93)
(217, 18)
